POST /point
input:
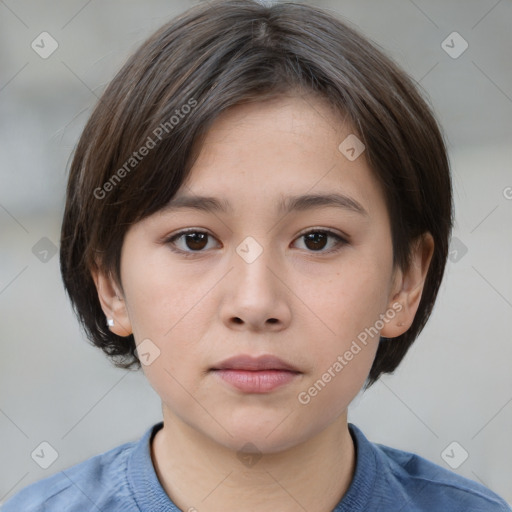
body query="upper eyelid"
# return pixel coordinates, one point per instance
(305, 232)
(330, 232)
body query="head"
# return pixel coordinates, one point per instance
(253, 106)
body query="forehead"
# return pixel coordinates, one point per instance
(275, 151)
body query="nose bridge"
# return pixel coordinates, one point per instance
(254, 297)
(253, 262)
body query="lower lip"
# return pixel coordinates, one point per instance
(256, 381)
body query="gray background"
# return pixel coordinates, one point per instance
(456, 382)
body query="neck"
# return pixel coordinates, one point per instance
(199, 474)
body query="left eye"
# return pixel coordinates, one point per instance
(195, 241)
(316, 240)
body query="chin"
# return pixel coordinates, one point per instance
(268, 436)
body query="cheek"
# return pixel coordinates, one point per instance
(158, 296)
(348, 308)
(169, 311)
(348, 303)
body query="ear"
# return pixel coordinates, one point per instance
(112, 303)
(408, 287)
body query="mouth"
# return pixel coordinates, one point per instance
(255, 375)
(248, 363)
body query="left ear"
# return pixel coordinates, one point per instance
(112, 303)
(408, 287)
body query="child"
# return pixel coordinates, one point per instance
(258, 213)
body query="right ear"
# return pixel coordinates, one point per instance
(112, 303)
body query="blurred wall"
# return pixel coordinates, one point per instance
(456, 382)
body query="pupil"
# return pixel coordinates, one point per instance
(192, 240)
(314, 237)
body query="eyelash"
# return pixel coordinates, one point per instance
(340, 241)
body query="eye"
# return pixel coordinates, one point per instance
(316, 240)
(194, 241)
(189, 241)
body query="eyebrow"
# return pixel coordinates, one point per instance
(285, 205)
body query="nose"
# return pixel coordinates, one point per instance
(255, 294)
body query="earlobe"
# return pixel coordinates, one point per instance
(112, 304)
(409, 287)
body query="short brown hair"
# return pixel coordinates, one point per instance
(212, 57)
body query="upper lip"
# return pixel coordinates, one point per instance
(246, 362)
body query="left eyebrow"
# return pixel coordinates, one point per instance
(285, 205)
(310, 201)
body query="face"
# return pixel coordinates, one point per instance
(250, 278)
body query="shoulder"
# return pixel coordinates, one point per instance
(96, 483)
(432, 485)
(421, 485)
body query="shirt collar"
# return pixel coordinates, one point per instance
(150, 495)
(365, 473)
(142, 478)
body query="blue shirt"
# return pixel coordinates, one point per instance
(385, 479)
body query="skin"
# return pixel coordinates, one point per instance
(205, 308)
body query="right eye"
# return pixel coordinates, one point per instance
(191, 241)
